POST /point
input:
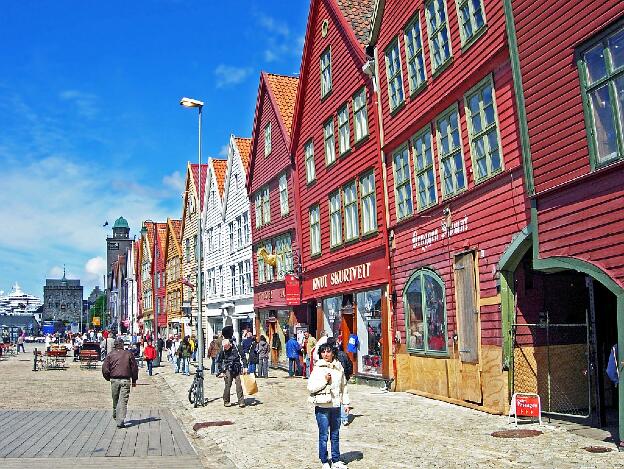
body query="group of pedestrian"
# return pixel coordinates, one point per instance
(180, 352)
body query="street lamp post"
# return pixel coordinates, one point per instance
(193, 103)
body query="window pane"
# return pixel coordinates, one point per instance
(619, 90)
(414, 313)
(596, 67)
(434, 312)
(616, 46)
(604, 124)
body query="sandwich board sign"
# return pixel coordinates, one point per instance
(525, 404)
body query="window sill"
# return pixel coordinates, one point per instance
(453, 195)
(443, 66)
(345, 153)
(396, 110)
(428, 354)
(336, 247)
(488, 177)
(419, 89)
(474, 38)
(315, 256)
(328, 166)
(369, 234)
(311, 183)
(363, 139)
(326, 95)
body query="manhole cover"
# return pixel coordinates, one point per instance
(215, 423)
(597, 449)
(516, 433)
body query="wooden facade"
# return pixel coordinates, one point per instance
(453, 208)
(335, 130)
(146, 273)
(273, 210)
(158, 275)
(173, 277)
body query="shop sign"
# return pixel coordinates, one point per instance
(291, 289)
(526, 405)
(423, 241)
(349, 274)
(95, 320)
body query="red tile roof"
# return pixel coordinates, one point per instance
(161, 229)
(177, 229)
(150, 233)
(285, 92)
(204, 172)
(358, 14)
(220, 168)
(244, 147)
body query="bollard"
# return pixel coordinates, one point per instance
(35, 360)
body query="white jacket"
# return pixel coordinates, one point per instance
(338, 386)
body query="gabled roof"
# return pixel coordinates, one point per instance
(174, 228)
(220, 169)
(161, 231)
(149, 226)
(284, 91)
(244, 148)
(359, 14)
(195, 180)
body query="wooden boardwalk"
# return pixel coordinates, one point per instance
(90, 438)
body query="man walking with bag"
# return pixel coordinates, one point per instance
(120, 368)
(230, 365)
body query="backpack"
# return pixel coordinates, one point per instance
(346, 364)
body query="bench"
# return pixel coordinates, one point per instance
(56, 359)
(89, 359)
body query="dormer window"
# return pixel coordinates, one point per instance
(326, 75)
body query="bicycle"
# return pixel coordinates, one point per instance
(196, 391)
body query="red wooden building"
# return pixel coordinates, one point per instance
(270, 185)
(136, 246)
(158, 277)
(340, 185)
(569, 280)
(455, 189)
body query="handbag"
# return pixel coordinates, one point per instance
(322, 396)
(250, 386)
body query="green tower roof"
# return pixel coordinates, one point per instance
(121, 222)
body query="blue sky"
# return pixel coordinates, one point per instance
(90, 125)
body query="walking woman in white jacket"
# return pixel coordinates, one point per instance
(328, 391)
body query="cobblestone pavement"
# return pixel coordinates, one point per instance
(278, 430)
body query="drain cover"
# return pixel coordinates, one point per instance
(516, 433)
(215, 423)
(598, 449)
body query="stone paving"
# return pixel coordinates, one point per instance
(398, 430)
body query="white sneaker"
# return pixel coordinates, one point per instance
(326, 466)
(339, 465)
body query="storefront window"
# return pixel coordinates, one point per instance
(369, 332)
(283, 331)
(425, 313)
(333, 317)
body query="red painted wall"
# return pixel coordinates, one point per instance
(347, 59)
(159, 268)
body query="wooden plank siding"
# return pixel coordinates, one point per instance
(347, 59)
(267, 170)
(546, 42)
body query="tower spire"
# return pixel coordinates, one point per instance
(64, 272)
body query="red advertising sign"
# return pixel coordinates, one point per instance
(526, 405)
(162, 320)
(291, 290)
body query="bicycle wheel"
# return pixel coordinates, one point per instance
(191, 394)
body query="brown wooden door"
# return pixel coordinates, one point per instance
(467, 309)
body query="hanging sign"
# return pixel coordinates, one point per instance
(526, 405)
(291, 289)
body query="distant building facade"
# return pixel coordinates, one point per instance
(62, 299)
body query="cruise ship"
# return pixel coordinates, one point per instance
(18, 303)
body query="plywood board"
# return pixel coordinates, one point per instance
(470, 383)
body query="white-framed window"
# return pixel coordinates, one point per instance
(268, 269)
(218, 243)
(437, 29)
(352, 222)
(283, 251)
(258, 206)
(260, 264)
(248, 282)
(267, 140)
(221, 280)
(239, 231)
(266, 206)
(210, 240)
(283, 193)
(211, 280)
(471, 19)
(416, 73)
(335, 219)
(369, 202)
(187, 249)
(315, 230)
(452, 172)
(360, 115)
(214, 280)
(402, 183)
(309, 161)
(396, 95)
(326, 74)
(424, 172)
(343, 129)
(195, 246)
(330, 144)
(231, 231)
(233, 279)
(246, 227)
(242, 288)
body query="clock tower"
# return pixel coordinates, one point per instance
(118, 244)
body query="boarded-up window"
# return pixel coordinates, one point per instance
(467, 311)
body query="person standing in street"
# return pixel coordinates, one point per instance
(107, 344)
(149, 355)
(20, 342)
(263, 357)
(253, 356)
(160, 345)
(292, 352)
(309, 342)
(231, 364)
(213, 351)
(184, 353)
(120, 368)
(328, 392)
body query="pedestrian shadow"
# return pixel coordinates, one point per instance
(351, 456)
(252, 401)
(137, 422)
(351, 416)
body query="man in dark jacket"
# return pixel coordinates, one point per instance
(120, 368)
(231, 364)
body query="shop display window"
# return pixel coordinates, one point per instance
(332, 308)
(369, 332)
(425, 313)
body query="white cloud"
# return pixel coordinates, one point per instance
(95, 267)
(280, 43)
(224, 151)
(272, 25)
(55, 272)
(175, 181)
(230, 76)
(85, 103)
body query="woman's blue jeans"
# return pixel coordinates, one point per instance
(328, 421)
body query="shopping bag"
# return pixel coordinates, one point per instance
(249, 384)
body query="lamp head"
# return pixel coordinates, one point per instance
(190, 102)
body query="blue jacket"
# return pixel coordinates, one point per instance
(292, 348)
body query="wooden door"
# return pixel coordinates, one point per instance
(467, 310)
(347, 328)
